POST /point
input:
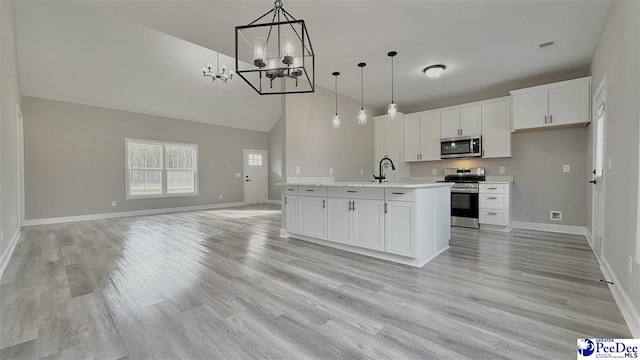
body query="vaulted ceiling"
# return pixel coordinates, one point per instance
(96, 56)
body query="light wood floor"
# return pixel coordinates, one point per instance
(222, 284)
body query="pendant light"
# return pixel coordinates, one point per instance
(392, 109)
(362, 114)
(335, 123)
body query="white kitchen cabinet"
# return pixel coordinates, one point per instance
(496, 130)
(400, 228)
(313, 216)
(422, 137)
(368, 222)
(340, 226)
(495, 205)
(558, 104)
(389, 142)
(292, 213)
(462, 122)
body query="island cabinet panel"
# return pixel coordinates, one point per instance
(400, 227)
(292, 213)
(313, 216)
(368, 216)
(340, 220)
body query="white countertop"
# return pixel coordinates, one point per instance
(409, 185)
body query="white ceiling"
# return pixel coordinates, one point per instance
(70, 53)
(483, 43)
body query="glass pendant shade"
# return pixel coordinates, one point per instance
(362, 117)
(335, 123)
(392, 111)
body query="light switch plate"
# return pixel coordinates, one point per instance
(434, 171)
(361, 171)
(330, 171)
(297, 170)
(238, 175)
(502, 169)
(220, 196)
(566, 168)
(113, 203)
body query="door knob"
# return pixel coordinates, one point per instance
(594, 181)
(247, 180)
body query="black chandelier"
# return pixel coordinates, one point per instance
(276, 57)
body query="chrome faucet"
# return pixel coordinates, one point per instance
(382, 177)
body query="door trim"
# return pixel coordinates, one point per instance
(266, 174)
(601, 89)
(20, 165)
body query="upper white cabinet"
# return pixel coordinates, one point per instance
(460, 122)
(389, 142)
(422, 136)
(496, 130)
(557, 104)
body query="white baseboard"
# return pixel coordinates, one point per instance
(625, 304)
(589, 237)
(276, 202)
(284, 233)
(556, 228)
(67, 219)
(6, 256)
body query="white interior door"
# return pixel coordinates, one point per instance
(599, 153)
(255, 176)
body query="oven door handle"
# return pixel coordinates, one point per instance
(464, 191)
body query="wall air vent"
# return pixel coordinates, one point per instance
(548, 45)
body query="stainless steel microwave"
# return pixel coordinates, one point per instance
(461, 147)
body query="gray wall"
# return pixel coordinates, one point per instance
(9, 98)
(536, 165)
(75, 158)
(618, 57)
(276, 158)
(315, 147)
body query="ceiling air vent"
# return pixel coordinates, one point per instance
(548, 45)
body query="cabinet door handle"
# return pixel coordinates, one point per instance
(492, 188)
(492, 198)
(386, 210)
(285, 200)
(310, 190)
(482, 152)
(349, 205)
(397, 193)
(492, 214)
(351, 191)
(291, 189)
(324, 204)
(353, 207)
(550, 119)
(545, 119)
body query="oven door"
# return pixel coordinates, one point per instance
(464, 204)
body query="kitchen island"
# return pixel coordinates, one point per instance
(407, 223)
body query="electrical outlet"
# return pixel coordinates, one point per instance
(555, 215)
(330, 171)
(609, 163)
(502, 169)
(238, 175)
(113, 203)
(361, 171)
(630, 265)
(220, 196)
(434, 171)
(566, 168)
(297, 170)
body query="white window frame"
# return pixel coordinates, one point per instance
(164, 194)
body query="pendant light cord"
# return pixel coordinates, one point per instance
(392, 80)
(336, 76)
(361, 88)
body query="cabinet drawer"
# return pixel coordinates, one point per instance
(312, 190)
(399, 194)
(494, 201)
(494, 188)
(291, 190)
(494, 217)
(353, 192)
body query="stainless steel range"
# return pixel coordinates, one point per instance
(464, 195)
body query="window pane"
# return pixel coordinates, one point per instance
(179, 181)
(145, 182)
(255, 159)
(180, 157)
(145, 156)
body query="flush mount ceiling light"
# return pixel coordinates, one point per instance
(224, 75)
(434, 71)
(335, 123)
(392, 109)
(275, 57)
(362, 114)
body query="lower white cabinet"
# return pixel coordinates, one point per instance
(357, 222)
(292, 213)
(399, 225)
(313, 216)
(495, 204)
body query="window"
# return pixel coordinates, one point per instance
(160, 169)
(255, 159)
